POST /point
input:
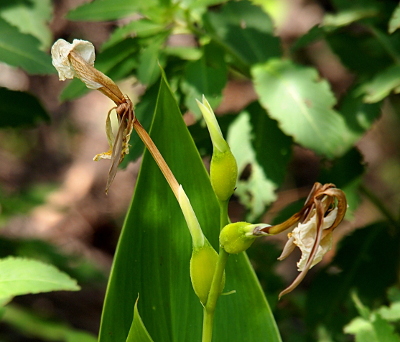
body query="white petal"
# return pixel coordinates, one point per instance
(60, 52)
(85, 49)
(304, 236)
(330, 219)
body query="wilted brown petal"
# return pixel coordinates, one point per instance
(77, 60)
(322, 212)
(93, 78)
(288, 249)
(120, 146)
(319, 220)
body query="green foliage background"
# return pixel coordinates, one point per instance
(296, 109)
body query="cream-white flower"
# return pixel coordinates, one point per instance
(61, 54)
(304, 237)
(77, 60)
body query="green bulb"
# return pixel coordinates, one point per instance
(237, 237)
(202, 267)
(223, 174)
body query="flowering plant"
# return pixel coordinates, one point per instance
(301, 97)
(311, 227)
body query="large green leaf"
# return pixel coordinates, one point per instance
(20, 276)
(20, 109)
(107, 9)
(154, 250)
(21, 50)
(302, 104)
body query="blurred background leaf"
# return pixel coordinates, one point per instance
(35, 326)
(394, 22)
(245, 31)
(206, 76)
(31, 17)
(302, 104)
(21, 276)
(107, 9)
(22, 50)
(20, 109)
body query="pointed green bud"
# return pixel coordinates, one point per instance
(223, 168)
(237, 237)
(202, 268)
(218, 140)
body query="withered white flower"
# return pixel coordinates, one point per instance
(311, 228)
(77, 60)
(304, 237)
(60, 58)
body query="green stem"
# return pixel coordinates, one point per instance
(223, 213)
(208, 321)
(378, 203)
(215, 291)
(158, 158)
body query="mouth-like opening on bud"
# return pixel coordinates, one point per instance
(259, 229)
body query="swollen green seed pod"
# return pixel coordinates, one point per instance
(237, 237)
(202, 267)
(223, 174)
